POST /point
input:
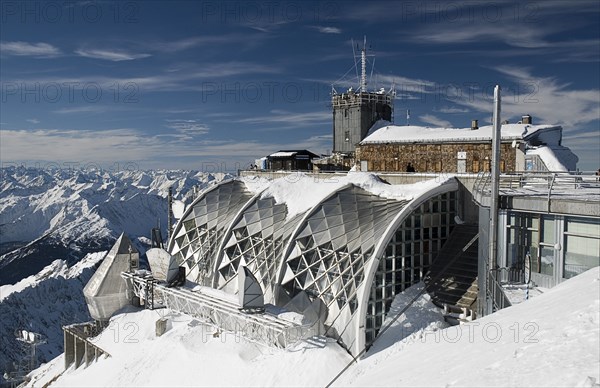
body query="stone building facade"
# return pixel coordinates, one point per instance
(468, 157)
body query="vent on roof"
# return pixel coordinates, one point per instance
(474, 124)
(526, 119)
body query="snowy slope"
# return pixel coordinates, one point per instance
(189, 355)
(42, 303)
(552, 340)
(49, 214)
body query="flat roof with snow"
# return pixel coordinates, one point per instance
(418, 134)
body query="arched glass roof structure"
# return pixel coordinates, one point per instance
(353, 250)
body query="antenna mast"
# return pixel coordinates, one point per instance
(363, 67)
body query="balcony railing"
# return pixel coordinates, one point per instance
(581, 185)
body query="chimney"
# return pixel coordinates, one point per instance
(474, 124)
(526, 119)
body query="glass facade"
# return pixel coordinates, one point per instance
(582, 245)
(408, 256)
(559, 247)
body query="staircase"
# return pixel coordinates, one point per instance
(452, 280)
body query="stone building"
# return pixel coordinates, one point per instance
(524, 147)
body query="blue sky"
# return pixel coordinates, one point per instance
(213, 85)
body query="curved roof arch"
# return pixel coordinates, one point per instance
(198, 232)
(289, 245)
(330, 250)
(451, 185)
(327, 255)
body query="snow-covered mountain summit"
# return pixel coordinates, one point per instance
(47, 214)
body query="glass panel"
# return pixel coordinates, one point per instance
(547, 261)
(548, 230)
(581, 254)
(583, 226)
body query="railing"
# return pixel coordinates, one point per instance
(222, 314)
(495, 291)
(542, 184)
(78, 349)
(510, 275)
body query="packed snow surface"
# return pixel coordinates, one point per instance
(191, 354)
(301, 192)
(551, 340)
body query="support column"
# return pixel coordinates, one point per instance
(89, 353)
(79, 351)
(69, 348)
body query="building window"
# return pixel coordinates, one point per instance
(533, 235)
(582, 245)
(408, 256)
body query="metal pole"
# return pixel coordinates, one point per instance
(496, 137)
(170, 213)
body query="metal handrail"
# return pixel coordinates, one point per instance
(222, 314)
(540, 183)
(496, 293)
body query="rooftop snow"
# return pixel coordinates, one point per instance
(282, 154)
(413, 133)
(301, 192)
(556, 158)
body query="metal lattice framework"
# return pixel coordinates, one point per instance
(332, 252)
(329, 254)
(198, 234)
(257, 240)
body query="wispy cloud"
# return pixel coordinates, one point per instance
(200, 78)
(216, 40)
(188, 128)
(40, 50)
(544, 97)
(280, 119)
(126, 144)
(81, 109)
(110, 55)
(450, 110)
(33, 121)
(433, 120)
(327, 30)
(527, 35)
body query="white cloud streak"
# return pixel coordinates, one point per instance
(188, 128)
(433, 120)
(327, 30)
(110, 55)
(40, 50)
(280, 119)
(148, 151)
(545, 98)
